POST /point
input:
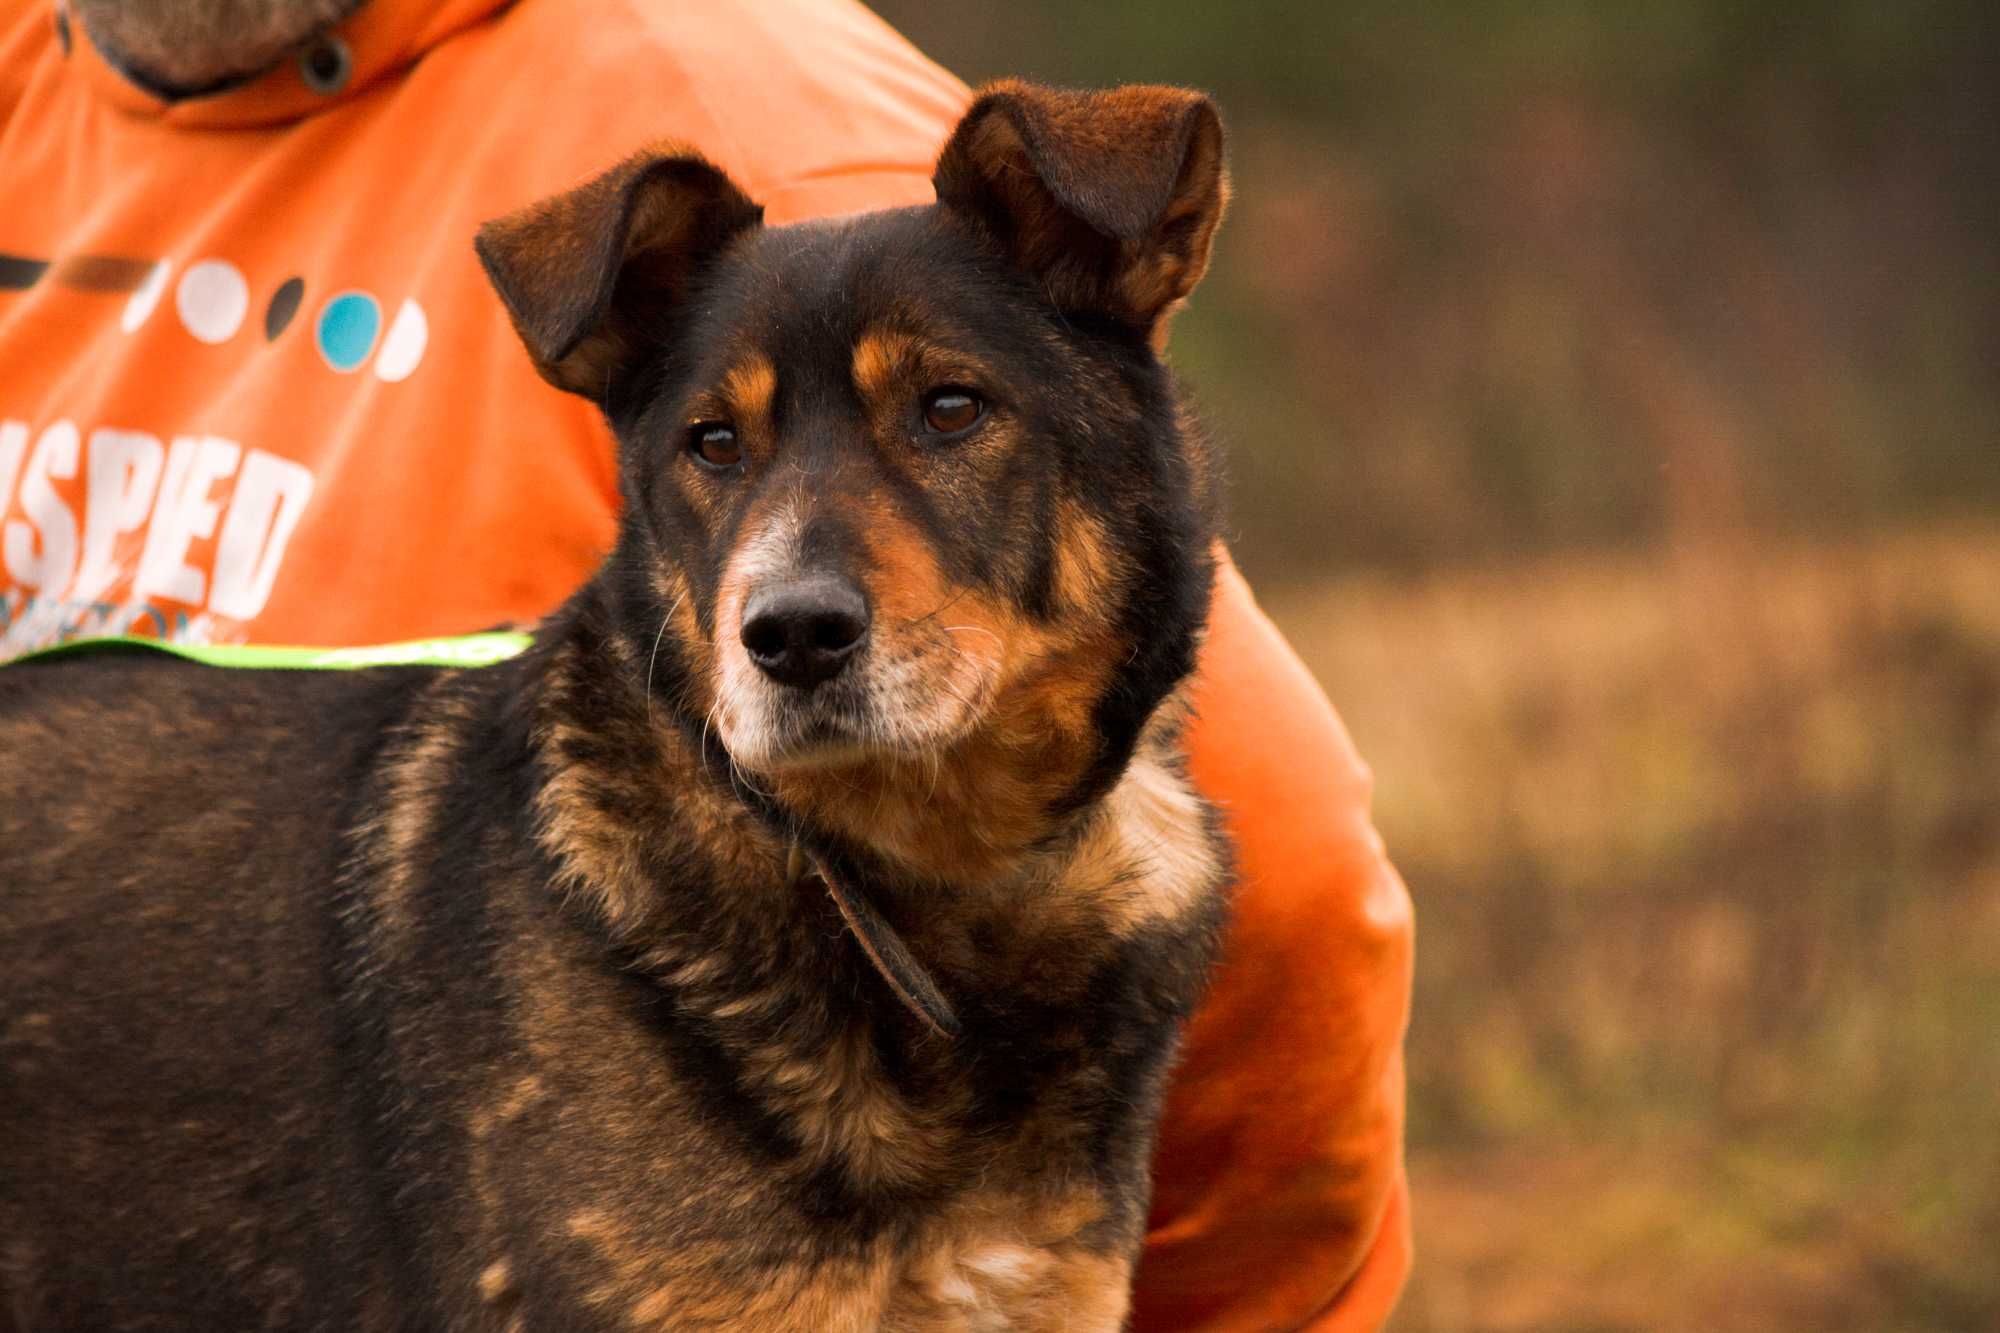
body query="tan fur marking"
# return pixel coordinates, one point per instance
(881, 356)
(1084, 566)
(995, 1262)
(1000, 1262)
(602, 854)
(414, 779)
(495, 1281)
(526, 1092)
(750, 387)
(846, 1112)
(693, 1283)
(1147, 858)
(28, 1030)
(1023, 695)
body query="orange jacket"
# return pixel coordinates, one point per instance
(253, 385)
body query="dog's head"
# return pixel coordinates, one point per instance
(909, 485)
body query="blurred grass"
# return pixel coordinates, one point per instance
(1611, 401)
(1707, 855)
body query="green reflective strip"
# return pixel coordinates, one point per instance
(465, 650)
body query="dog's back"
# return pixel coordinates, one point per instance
(173, 1071)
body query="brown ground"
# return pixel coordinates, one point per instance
(1706, 853)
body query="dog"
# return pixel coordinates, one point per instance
(797, 935)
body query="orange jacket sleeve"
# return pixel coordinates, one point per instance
(1280, 1199)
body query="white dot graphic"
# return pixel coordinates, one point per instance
(212, 299)
(139, 308)
(403, 347)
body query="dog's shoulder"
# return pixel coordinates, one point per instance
(201, 780)
(148, 702)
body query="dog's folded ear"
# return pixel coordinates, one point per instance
(591, 277)
(1110, 200)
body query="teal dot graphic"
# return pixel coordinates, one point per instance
(348, 325)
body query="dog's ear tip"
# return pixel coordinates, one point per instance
(1110, 196)
(505, 251)
(1132, 101)
(489, 243)
(1115, 152)
(691, 168)
(558, 264)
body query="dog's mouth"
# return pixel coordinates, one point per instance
(904, 701)
(817, 667)
(823, 729)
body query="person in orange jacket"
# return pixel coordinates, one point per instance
(253, 387)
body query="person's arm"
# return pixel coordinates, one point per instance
(1280, 1200)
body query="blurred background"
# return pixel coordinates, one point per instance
(1611, 393)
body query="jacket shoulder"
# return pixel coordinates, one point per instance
(777, 93)
(27, 30)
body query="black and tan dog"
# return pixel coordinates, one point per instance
(796, 936)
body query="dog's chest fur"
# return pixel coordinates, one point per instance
(760, 1129)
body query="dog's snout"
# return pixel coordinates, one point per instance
(803, 632)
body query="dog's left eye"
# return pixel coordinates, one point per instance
(952, 410)
(714, 444)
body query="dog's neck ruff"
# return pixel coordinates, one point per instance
(884, 948)
(647, 815)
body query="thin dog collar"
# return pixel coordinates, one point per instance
(882, 946)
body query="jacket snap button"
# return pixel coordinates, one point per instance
(326, 65)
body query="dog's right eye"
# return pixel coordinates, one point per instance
(714, 444)
(952, 410)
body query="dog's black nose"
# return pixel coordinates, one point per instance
(803, 632)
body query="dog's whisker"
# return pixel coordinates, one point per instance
(941, 607)
(975, 629)
(654, 658)
(936, 762)
(737, 773)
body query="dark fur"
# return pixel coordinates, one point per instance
(407, 999)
